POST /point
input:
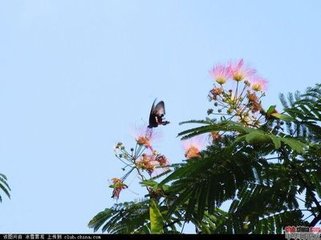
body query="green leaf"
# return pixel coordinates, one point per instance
(274, 223)
(149, 183)
(296, 145)
(211, 126)
(257, 137)
(276, 141)
(283, 117)
(99, 219)
(156, 218)
(4, 186)
(271, 110)
(123, 218)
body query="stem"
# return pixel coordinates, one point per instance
(300, 199)
(241, 98)
(308, 217)
(237, 87)
(272, 158)
(126, 164)
(142, 178)
(127, 174)
(183, 226)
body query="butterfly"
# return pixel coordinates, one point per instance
(156, 115)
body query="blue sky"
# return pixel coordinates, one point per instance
(78, 76)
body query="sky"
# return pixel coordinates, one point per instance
(77, 76)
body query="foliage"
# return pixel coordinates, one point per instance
(128, 217)
(4, 186)
(264, 165)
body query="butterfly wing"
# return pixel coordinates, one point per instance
(159, 109)
(152, 117)
(156, 114)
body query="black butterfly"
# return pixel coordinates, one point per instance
(156, 115)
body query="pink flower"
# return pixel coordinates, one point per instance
(240, 72)
(118, 185)
(193, 146)
(192, 152)
(144, 140)
(220, 73)
(144, 136)
(147, 162)
(162, 160)
(258, 83)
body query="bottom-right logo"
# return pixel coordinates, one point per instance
(302, 233)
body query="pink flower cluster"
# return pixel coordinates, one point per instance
(152, 160)
(238, 71)
(240, 101)
(149, 162)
